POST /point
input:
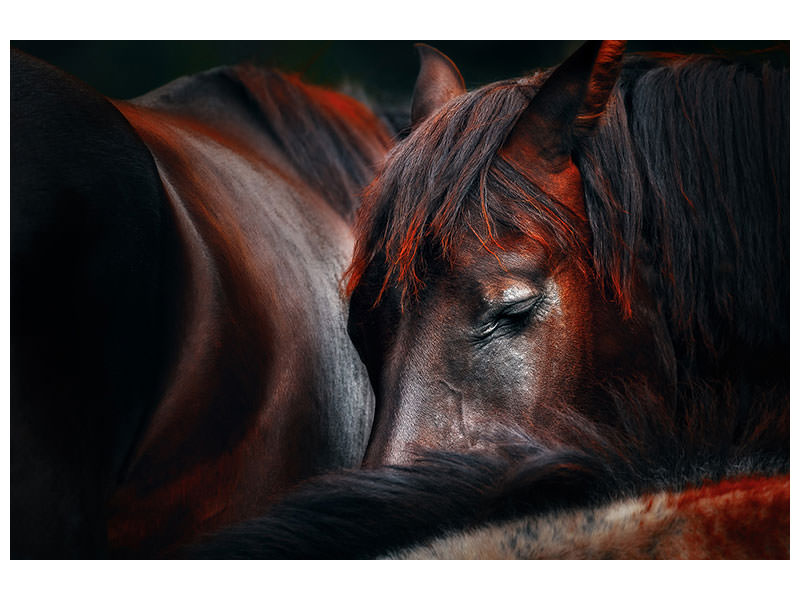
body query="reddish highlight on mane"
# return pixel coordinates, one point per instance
(645, 204)
(340, 106)
(445, 182)
(334, 142)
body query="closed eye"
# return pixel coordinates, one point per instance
(510, 318)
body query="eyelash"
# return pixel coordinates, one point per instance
(512, 317)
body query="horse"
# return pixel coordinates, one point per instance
(178, 335)
(536, 241)
(570, 291)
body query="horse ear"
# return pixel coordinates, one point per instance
(438, 82)
(567, 106)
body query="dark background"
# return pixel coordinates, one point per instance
(384, 69)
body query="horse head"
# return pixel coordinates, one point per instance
(475, 304)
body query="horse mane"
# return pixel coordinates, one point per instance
(443, 182)
(367, 514)
(689, 193)
(696, 192)
(332, 140)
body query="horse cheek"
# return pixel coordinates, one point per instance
(526, 380)
(566, 333)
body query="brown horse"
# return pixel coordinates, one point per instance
(536, 242)
(573, 286)
(179, 347)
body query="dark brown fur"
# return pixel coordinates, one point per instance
(180, 355)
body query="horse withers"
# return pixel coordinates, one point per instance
(179, 347)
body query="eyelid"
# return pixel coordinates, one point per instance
(493, 317)
(520, 306)
(500, 309)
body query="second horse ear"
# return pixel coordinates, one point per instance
(438, 82)
(568, 106)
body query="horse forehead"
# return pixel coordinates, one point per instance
(506, 259)
(565, 185)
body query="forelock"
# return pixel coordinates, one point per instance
(447, 181)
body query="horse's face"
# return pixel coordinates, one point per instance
(484, 345)
(513, 333)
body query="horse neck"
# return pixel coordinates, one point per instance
(326, 141)
(333, 142)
